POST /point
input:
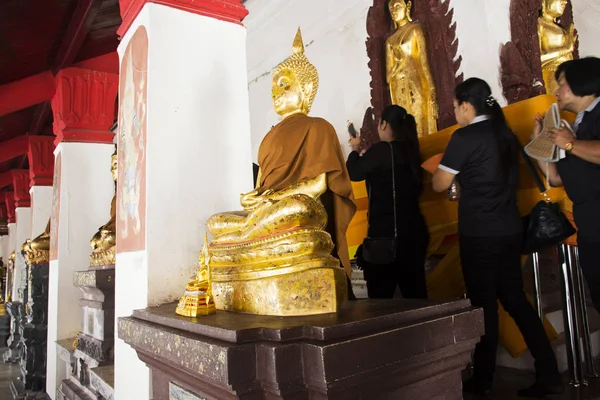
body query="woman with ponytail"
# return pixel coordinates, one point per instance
(398, 133)
(483, 156)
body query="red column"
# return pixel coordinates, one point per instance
(84, 105)
(225, 10)
(41, 160)
(21, 186)
(10, 206)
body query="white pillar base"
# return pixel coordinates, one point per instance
(198, 161)
(23, 232)
(41, 206)
(86, 191)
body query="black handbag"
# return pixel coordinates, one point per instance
(546, 225)
(382, 250)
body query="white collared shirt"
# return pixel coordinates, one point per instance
(480, 118)
(581, 114)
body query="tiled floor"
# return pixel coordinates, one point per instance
(508, 381)
(8, 372)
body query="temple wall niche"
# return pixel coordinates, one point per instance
(335, 34)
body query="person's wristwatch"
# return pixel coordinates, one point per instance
(569, 146)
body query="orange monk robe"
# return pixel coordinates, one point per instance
(301, 148)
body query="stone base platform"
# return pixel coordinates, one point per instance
(371, 349)
(18, 392)
(4, 327)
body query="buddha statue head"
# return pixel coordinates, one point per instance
(113, 166)
(295, 82)
(400, 11)
(553, 8)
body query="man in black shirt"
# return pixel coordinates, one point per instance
(579, 171)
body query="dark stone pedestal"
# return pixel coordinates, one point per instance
(4, 326)
(34, 334)
(95, 345)
(17, 313)
(372, 349)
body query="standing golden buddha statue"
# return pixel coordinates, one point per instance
(407, 69)
(103, 243)
(276, 256)
(556, 44)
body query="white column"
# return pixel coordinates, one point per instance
(41, 206)
(197, 163)
(4, 253)
(85, 192)
(12, 237)
(23, 232)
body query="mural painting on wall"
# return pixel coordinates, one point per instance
(403, 38)
(54, 217)
(542, 37)
(131, 182)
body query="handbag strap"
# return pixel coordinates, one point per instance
(393, 192)
(532, 170)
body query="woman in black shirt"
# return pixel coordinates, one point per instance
(483, 156)
(397, 128)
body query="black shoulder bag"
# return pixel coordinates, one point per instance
(546, 225)
(382, 250)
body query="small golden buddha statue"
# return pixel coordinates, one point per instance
(556, 44)
(37, 251)
(103, 243)
(407, 69)
(275, 256)
(198, 299)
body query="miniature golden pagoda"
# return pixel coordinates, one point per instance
(198, 299)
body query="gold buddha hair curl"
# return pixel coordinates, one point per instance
(305, 72)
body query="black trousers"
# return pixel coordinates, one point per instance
(406, 272)
(492, 271)
(589, 258)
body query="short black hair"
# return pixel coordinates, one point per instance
(582, 75)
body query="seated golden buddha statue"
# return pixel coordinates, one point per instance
(198, 299)
(275, 256)
(103, 243)
(556, 44)
(407, 69)
(37, 251)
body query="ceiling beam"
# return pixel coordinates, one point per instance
(27, 92)
(80, 25)
(81, 22)
(13, 148)
(6, 179)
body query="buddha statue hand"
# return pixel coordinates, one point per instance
(253, 200)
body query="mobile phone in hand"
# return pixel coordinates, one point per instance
(352, 130)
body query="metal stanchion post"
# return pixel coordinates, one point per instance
(570, 317)
(538, 285)
(585, 325)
